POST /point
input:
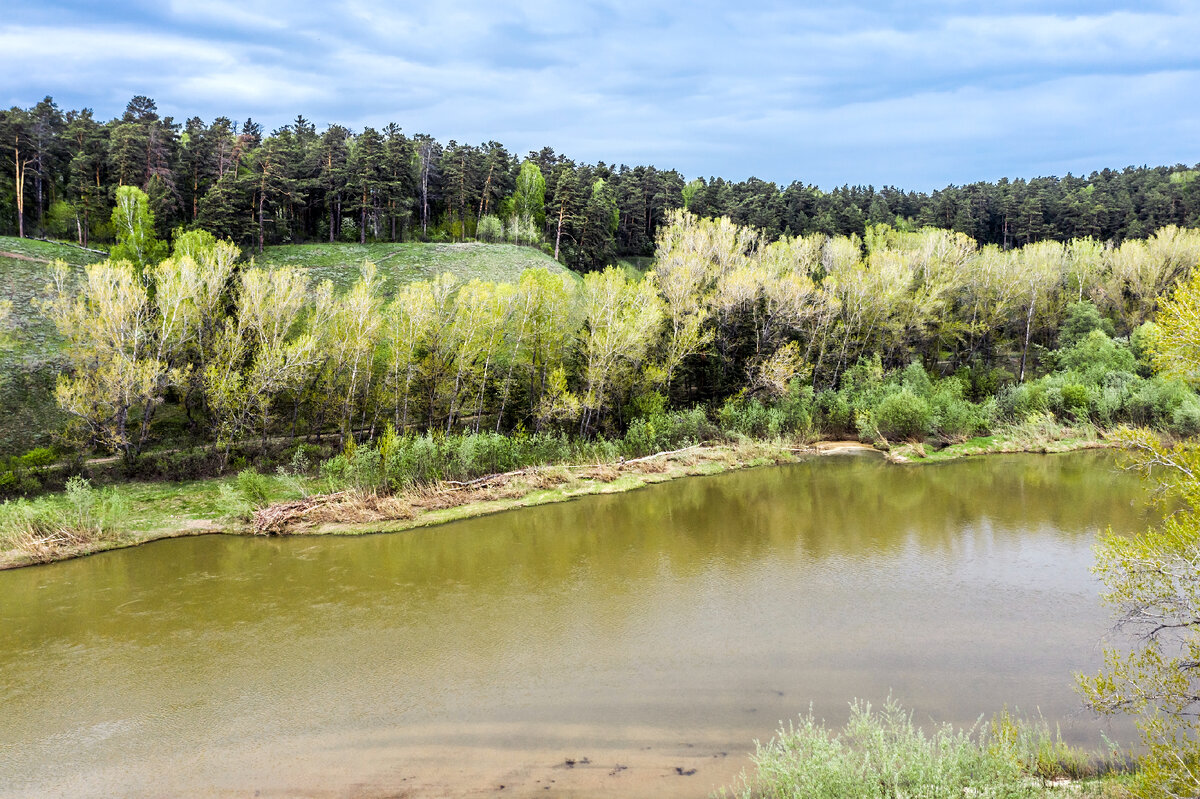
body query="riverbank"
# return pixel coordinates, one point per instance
(294, 506)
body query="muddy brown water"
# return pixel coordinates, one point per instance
(631, 644)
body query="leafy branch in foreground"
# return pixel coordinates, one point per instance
(1152, 580)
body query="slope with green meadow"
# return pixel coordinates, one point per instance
(29, 366)
(410, 262)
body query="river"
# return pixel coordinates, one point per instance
(631, 644)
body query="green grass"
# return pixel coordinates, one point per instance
(406, 263)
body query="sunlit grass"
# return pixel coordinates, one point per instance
(406, 263)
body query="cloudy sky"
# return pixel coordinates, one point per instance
(916, 94)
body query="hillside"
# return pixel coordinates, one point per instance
(27, 370)
(404, 263)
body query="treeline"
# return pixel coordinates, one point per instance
(832, 323)
(298, 184)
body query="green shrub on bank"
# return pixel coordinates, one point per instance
(903, 415)
(882, 753)
(790, 415)
(394, 461)
(44, 526)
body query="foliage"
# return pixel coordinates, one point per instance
(42, 528)
(1150, 580)
(489, 229)
(134, 225)
(299, 184)
(883, 753)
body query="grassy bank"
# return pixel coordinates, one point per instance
(93, 519)
(881, 753)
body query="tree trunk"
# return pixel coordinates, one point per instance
(1028, 331)
(20, 189)
(562, 212)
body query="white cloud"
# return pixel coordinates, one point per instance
(927, 93)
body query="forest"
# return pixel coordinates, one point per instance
(298, 184)
(894, 336)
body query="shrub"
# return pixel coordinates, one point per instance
(980, 381)
(833, 413)
(254, 488)
(44, 527)
(1075, 399)
(38, 458)
(882, 753)
(1081, 319)
(1096, 355)
(903, 415)
(1018, 402)
(489, 229)
(916, 380)
(957, 419)
(1141, 344)
(745, 417)
(1185, 420)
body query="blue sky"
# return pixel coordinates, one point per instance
(917, 94)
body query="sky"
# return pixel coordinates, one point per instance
(918, 94)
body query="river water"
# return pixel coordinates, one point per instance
(631, 644)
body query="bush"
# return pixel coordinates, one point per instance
(1020, 401)
(833, 413)
(489, 229)
(254, 488)
(903, 415)
(1185, 420)
(1081, 319)
(1096, 355)
(1075, 399)
(958, 419)
(38, 458)
(916, 380)
(981, 382)
(882, 753)
(1141, 344)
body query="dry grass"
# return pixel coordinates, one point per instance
(46, 545)
(344, 506)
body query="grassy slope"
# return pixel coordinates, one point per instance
(405, 263)
(27, 372)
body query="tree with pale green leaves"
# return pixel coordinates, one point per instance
(529, 199)
(621, 321)
(1152, 581)
(133, 224)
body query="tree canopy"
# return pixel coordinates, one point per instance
(60, 173)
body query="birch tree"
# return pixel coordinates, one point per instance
(261, 351)
(116, 351)
(621, 321)
(406, 319)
